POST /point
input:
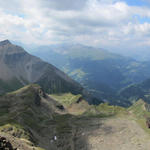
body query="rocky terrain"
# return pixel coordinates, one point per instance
(31, 119)
(5, 145)
(119, 134)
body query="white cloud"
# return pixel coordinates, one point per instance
(105, 23)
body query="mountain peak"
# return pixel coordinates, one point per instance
(5, 42)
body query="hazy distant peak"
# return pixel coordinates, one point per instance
(5, 42)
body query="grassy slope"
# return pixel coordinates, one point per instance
(139, 113)
(66, 99)
(11, 85)
(102, 110)
(18, 114)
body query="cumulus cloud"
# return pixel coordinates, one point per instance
(65, 4)
(109, 24)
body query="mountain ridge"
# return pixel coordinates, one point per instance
(31, 119)
(19, 66)
(5, 42)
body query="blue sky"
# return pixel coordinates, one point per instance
(137, 2)
(109, 24)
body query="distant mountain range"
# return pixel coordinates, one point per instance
(103, 73)
(55, 115)
(106, 76)
(142, 54)
(19, 68)
(137, 91)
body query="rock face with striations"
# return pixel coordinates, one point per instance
(18, 68)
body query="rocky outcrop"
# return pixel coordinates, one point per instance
(5, 144)
(148, 122)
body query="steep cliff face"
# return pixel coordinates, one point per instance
(18, 68)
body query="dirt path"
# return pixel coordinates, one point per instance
(119, 134)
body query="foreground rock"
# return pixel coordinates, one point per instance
(5, 144)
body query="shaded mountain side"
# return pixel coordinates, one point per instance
(10, 85)
(18, 68)
(136, 91)
(101, 72)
